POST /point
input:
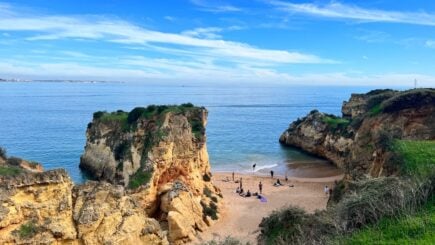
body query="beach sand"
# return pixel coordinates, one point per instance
(240, 216)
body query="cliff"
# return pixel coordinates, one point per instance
(153, 185)
(360, 142)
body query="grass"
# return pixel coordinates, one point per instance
(375, 110)
(9, 171)
(418, 228)
(418, 156)
(335, 122)
(139, 178)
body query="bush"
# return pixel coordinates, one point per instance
(187, 105)
(14, 161)
(10, 171)
(139, 178)
(210, 211)
(98, 114)
(335, 122)
(410, 99)
(226, 241)
(3, 153)
(27, 230)
(206, 177)
(135, 114)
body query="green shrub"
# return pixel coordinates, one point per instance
(207, 192)
(10, 171)
(3, 153)
(27, 230)
(98, 114)
(410, 99)
(187, 105)
(375, 110)
(135, 114)
(335, 122)
(210, 211)
(14, 161)
(226, 241)
(139, 178)
(206, 177)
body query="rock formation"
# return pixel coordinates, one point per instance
(153, 184)
(359, 142)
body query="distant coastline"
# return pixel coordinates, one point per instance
(17, 80)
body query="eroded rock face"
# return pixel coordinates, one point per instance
(45, 208)
(36, 207)
(161, 157)
(359, 142)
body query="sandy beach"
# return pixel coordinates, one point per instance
(240, 216)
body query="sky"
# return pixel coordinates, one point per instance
(320, 42)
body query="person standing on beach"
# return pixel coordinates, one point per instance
(326, 190)
(271, 173)
(253, 167)
(233, 175)
(260, 187)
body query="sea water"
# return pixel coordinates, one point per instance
(46, 121)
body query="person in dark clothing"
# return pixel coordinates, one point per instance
(260, 187)
(233, 176)
(271, 173)
(248, 194)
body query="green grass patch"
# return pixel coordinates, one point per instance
(139, 178)
(375, 110)
(418, 156)
(10, 171)
(418, 228)
(335, 122)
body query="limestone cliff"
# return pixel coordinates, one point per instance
(359, 142)
(160, 188)
(160, 154)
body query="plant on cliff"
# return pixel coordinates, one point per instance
(3, 153)
(335, 122)
(226, 241)
(209, 210)
(139, 178)
(10, 171)
(27, 230)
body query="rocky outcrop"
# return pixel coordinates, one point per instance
(45, 208)
(153, 185)
(36, 207)
(160, 154)
(360, 141)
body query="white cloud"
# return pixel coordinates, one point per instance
(336, 10)
(207, 33)
(215, 6)
(430, 43)
(97, 28)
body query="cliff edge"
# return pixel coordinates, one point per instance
(360, 141)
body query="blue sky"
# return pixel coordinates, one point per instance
(379, 42)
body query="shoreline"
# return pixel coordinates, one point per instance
(240, 216)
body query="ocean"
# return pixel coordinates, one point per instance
(46, 121)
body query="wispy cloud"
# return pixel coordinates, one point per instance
(430, 43)
(118, 31)
(337, 10)
(215, 6)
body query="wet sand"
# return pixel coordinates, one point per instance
(240, 216)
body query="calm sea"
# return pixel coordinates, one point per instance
(46, 121)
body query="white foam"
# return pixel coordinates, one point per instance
(261, 167)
